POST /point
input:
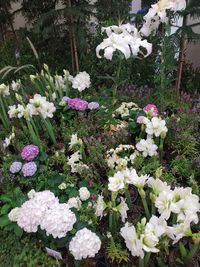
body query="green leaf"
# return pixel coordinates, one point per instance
(5, 198)
(4, 221)
(5, 209)
(183, 250)
(18, 230)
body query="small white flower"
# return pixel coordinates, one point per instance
(75, 141)
(156, 127)
(116, 182)
(133, 243)
(163, 203)
(123, 208)
(81, 81)
(62, 186)
(157, 185)
(147, 147)
(100, 206)
(74, 202)
(84, 193)
(4, 90)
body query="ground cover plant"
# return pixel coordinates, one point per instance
(106, 176)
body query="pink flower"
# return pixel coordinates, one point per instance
(151, 109)
(29, 169)
(142, 120)
(30, 152)
(78, 104)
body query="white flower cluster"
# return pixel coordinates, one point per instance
(158, 14)
(75, 141)
(180, 202)
(4, 90)
(121, 157)
(85, 244)
(81, 81)
(147, 147)
(124, 109)
(123, 178)
(75, 160)
(15, 85)
(38, 105)
(124, 38)
(8, 140)
(43, 209)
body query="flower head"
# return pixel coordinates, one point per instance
(29, 169)
(15, 167)
(30, 152)
(151, 109)
(93, 105)
(84, 193)
(78, 104)
(85, 244)
(81, 81)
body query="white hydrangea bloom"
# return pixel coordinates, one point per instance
(85, 244)
(147, 147)
(13, 215)
(133, 243)
(58, 220)
(156, 127)
(4, 90)
(81, 81)
(84, 193)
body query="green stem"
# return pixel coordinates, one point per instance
(141, 262)
(128, 197)
(144, 202)
(4, 114)
(161, 148)
(194, 249)
(146, 259)
(117, 79)
(32, 133)
(50, 130)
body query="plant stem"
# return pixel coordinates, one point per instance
(116, 85)
(4, 114)
(194, 249)
(144, 202)
(128, 197)
(49, 128)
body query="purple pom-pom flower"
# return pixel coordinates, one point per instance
(15, 167)
(29, 169)
(30, 152)
(78, 104)
(93, 105)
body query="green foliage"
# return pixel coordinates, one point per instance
(22, 252)
(116, 253)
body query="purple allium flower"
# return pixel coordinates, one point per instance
(29, 169)
(30, 152)
(15, 167)
(93, 105)
(78, 104)
(65, 99)
(151, 109)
